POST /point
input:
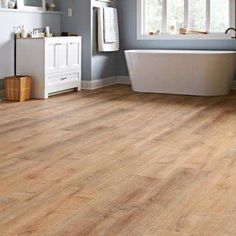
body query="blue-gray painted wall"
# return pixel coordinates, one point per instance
(95, 65)
(79, 23)
(103, 64)
(8, 20)
(128, 31)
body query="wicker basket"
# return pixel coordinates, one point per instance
(18, 88)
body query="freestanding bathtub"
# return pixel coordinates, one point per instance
(203, 73)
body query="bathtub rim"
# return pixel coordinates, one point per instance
(186, 52)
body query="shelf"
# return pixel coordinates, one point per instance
(28, 11)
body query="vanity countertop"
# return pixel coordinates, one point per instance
(54, 37)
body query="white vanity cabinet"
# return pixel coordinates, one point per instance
(54, 64)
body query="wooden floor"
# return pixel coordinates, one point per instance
(114, 162)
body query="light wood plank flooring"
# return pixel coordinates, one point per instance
(114, 162)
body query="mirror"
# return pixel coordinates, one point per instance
(31, 4)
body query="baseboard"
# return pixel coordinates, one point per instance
(96, 84)
(123, 80)
(233, 85)
(2, 94)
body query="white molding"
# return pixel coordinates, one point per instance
(211, 36)
(123, 80)
(232, 13)
(29, 11)
(140, 18)
(186, 13)
(208, 15)
(96, 84)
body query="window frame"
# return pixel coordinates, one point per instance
(141, 16)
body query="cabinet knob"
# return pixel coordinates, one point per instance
(64, 78)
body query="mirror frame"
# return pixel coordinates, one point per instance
(21, 5)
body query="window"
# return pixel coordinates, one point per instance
(197, 15)
(163, 18)
(153, 15)
(175, 14)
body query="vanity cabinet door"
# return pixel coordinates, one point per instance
(62, 57)
(50, 58)
(74, 55)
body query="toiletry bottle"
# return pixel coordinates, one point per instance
(47, 31)
(23, 32)
(17, 31)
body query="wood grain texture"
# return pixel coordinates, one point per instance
(114, 162)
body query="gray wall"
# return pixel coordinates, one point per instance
(10, 19)
(128, 26)
(95, 65)
(103, 64)
(79, 23)
(83, 22)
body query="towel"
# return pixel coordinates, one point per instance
(110, 25)
(108, 31)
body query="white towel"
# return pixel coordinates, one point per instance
(110, 25)
(108, 30)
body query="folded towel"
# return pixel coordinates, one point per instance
(108, 30)
(110, 25)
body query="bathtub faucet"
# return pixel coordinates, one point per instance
(229, 29)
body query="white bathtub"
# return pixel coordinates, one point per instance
(203, 73)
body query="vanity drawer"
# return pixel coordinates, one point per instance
(63, 82)
(63, 78)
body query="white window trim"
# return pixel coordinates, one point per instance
(166, 36)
